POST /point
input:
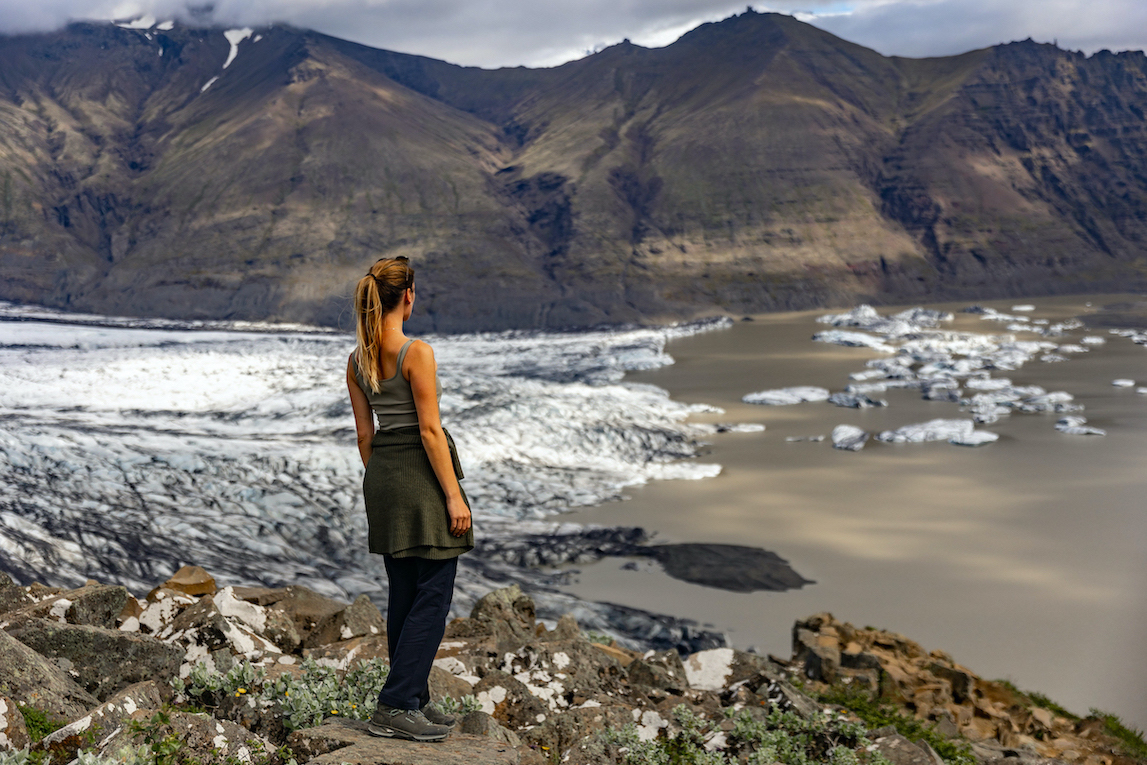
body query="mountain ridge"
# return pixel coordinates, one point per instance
(757, 163)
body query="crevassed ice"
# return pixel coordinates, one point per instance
(235, 450)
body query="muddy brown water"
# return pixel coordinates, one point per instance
(1025, 559)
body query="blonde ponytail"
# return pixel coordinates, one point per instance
(375, 295)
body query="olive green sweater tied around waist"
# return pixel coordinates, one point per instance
(405, 504)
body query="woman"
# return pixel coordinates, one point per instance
(418, 515)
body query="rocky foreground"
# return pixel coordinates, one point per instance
(194, 673)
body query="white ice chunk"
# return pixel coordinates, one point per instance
(1077, 426)
(848, 437)
(975, 438)
(1023, 308)
(853, 340)
(1093, 340)
(786, 396)
(933, 430)
(208, 84)
(235, 36)
(1123, 383)
(165, 26)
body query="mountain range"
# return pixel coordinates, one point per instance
(757, 163)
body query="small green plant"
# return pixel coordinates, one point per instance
(39, 723)
(1130, 739)
(15, 757)
(462, 706)
(598, 637)
(876, 715)
(1043, 701)
(127, 755)
(780, 737)
(161, 744)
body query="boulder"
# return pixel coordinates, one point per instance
(160, 608)
(900, 751)
(62, 744)
(103, 661)
(659, 669)
(509, 701)
(560, 733)
(12, 595)
(204, 629)
(344, 653)
(191, 580)
(509, 616)
(306, 608)
(98, 605)
(13, 732)
(204, 738)
(558, 671)
(359, 619)
(347, 741)
(32, 679)
(443, 684)
(482, 724)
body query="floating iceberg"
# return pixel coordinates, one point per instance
(786, 396)
(849, 438)
(855, 400)
(962, 432)
(853, 340)
(1123, 383)
(1077, 426)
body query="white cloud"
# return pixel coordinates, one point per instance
(513, 32)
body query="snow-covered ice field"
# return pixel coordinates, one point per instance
(129, 448)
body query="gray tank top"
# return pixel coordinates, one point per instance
(393, 405)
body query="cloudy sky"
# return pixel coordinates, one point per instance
(548, 32)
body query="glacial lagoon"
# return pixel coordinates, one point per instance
(1025, 558)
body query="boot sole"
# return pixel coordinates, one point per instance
(385, 731)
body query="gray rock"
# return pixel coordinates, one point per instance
(482, 724)
(13, 731)
(12, 595)
(29, 678)
(658, 669)
(347, 741)
(204, 738)
(901, 751)
(359, 619)
(97, 605)
(105, 661)
(105, 719)
(509, 701)
(561, 732)
(508, 614)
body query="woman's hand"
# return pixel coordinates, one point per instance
(459, 516)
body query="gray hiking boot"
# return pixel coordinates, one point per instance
(437, 716)
(409, 724)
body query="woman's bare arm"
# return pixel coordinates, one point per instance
(421, 370)
(363, 416)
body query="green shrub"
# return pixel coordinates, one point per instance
(876, 715)
(1130, 739)
(781, 737)
(317, 693)
(39, 723)
(15, 757)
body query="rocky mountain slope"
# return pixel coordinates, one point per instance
(757, 163)
(194, 673)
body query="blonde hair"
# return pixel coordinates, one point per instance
(375, 295)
